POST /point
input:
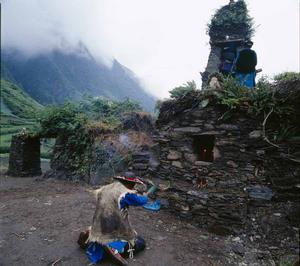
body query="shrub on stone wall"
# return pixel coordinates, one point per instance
(232, 20)
(263, 101)
(287, 76)
(62, 119)
(74, 139)
(180, 91)
(106, 110)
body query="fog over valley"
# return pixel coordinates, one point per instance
(163, 42)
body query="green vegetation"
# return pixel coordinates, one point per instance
(107, 111)
(69, 124)
(232, 20)
(281, 116)
(47, 148)
(177, 92)
(64, 119)
(75, 123)
(55, 77)
(21, 111)
(10, 125)
(17, 101)
(287, 76)
(101, 111)
(18, 111)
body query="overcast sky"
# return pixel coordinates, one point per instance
(163, 41)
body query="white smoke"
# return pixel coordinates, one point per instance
(125, 140)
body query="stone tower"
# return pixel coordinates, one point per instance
(230, 25)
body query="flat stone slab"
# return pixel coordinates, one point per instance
(187, 129)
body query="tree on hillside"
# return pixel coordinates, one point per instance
(177, 92)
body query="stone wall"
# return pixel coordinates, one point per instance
(245, 169)
(24, 157)
(95, 153)
(212, 64)
(70, 158)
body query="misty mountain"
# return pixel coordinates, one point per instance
(57, 76)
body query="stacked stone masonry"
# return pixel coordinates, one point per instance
(216, 194)
(24, 157)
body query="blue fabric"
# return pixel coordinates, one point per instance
(226, 66)
(247, 80)
(95, 251)
(228, 58)
(131, 199)
(118, 245)
(153, 206)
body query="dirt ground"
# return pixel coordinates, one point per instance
(41, 219)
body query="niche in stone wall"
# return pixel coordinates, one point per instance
(203, 146)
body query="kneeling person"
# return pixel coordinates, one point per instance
(111, 232)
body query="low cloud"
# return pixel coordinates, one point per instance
(39, 26)
(163, 42)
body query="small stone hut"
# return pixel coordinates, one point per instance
(222, 172)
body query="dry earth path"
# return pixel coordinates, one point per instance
(40, 221)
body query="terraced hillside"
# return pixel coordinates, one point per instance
(18, 111)
(16, 101)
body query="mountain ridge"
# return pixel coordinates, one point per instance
(55, 77)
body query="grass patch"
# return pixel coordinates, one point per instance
(7, 120)
(14, 129)
(10, 125)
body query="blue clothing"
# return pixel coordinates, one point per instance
(132, 199)
(95, 251)
(152, 206)
(244, 67)
(247, 80)
(227, 59)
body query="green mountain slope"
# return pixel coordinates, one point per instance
(57, 76)
(17, 102)
(18, 111)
